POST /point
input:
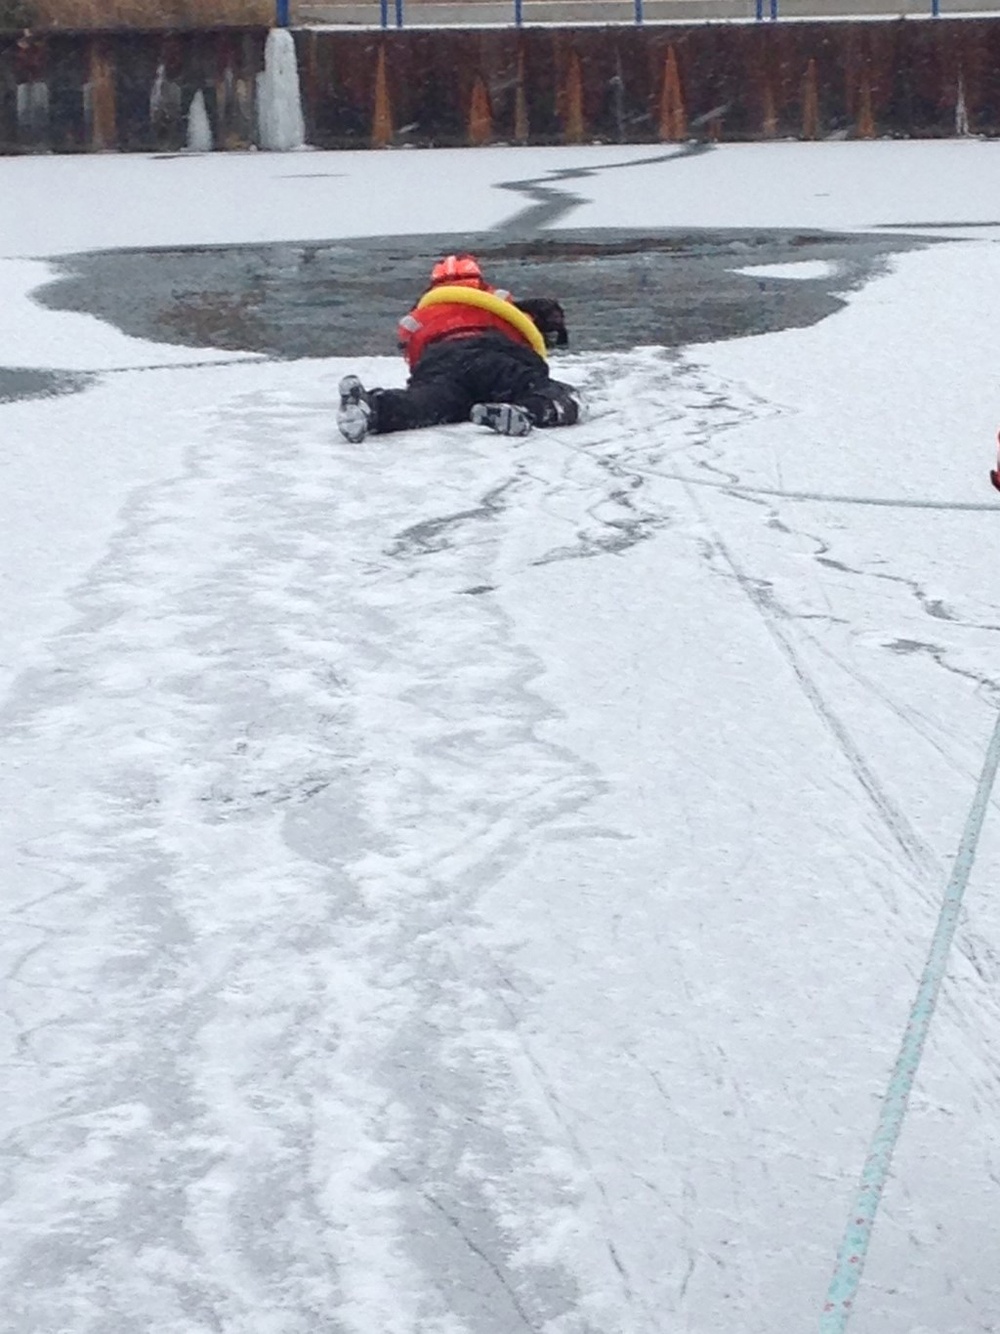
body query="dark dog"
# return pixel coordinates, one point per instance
(549, 317)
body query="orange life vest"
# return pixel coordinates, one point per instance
(430, 324)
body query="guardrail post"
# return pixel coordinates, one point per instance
(638, 12)
(399, 13)
(518, 13)
(282, 16)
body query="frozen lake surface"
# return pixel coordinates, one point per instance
(459, 885)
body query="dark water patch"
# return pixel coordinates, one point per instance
(621, 288)
(17, 382)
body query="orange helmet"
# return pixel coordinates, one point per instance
(462, 269)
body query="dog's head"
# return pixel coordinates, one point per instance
(549, 317)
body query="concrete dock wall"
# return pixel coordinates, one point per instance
(134, 90)
(626, 84)
(131, 91)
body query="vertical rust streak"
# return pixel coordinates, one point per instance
(382, 118)
(573, 124)
(103, 113)
(673, 117)
(480, 114)
(769, 119)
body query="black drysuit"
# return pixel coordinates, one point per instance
(455, 373)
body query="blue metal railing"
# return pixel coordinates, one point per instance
(391, 12)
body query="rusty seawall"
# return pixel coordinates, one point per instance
(134, 90)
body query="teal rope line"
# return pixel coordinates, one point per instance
(854, 1247)
(734, 488)
(886, 502)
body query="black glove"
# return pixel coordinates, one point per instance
(549, 317)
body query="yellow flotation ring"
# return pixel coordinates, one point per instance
(506, 310)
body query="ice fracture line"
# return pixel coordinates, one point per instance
(854, 1247)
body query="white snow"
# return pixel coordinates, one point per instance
(830, 185)
(800, 271)
(457, 885)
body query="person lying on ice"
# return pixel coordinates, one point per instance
(474, 354)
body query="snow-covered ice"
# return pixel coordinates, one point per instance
(456, 885)
(799, 270)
